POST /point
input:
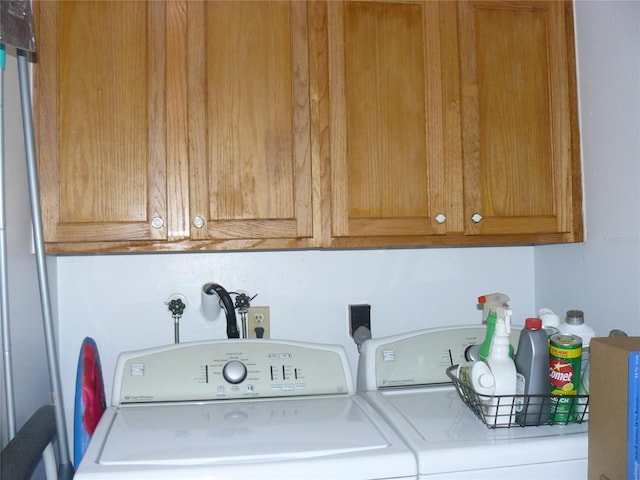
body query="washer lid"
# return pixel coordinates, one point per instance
(327, 433)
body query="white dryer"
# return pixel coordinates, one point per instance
(404, 378)
(243, 410)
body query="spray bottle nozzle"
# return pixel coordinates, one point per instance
(496, 299)
(503, 321)
(492, 301)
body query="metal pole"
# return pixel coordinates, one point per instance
(4, 276)
(66, 468)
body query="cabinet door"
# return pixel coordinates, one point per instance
(519, 119)
(387, 157)
(249, 122)
(100, 120)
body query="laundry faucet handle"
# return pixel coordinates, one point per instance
(176, 307)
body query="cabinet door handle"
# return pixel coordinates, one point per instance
(157, 222)
(198, 222)
(441, 218)
(476, 218)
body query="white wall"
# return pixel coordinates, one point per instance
(29, 361)
(119, 300)
(602, 275)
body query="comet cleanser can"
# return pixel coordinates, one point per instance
(565, 352)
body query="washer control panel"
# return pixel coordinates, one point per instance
(231, 369)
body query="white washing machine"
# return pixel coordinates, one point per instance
(404, 378)
(241, 409)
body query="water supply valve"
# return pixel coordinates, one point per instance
(243, 302)
(176, 306)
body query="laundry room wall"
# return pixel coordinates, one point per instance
(602, 275)
(120, 300)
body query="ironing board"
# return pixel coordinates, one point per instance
(89, 398)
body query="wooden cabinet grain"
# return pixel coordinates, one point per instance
(453, 123)
(248, 98)
(184, 125)
(519, 119)
(388, 164)
(175, 125)
(100, 121)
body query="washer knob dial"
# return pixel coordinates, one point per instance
(234, 371)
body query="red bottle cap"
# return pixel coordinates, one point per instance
(533, 323)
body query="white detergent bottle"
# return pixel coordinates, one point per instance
(477, 376)
(549, 319)
(574, 324)
(501, 410)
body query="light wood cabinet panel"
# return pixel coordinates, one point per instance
(249, 120)
(519, 126)
(218, 125)
(388, 168)
(177, 125)
(462, 113)
(100, 120)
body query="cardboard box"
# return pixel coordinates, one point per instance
(609, 444)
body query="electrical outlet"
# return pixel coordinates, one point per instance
(258, 322)
(359, 316)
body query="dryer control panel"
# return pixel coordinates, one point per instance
(231, 369)
(417, 358)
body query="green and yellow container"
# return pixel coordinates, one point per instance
(565, 353)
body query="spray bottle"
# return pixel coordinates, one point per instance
(490, 303)
(503, 369)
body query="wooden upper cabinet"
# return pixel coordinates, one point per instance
(100, 120)
(388, 165)
(519, 119)
(248, 120)
(209, 125)
(175, 125)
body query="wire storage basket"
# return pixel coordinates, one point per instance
(503, 411)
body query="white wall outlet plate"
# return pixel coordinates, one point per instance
(258, 322)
